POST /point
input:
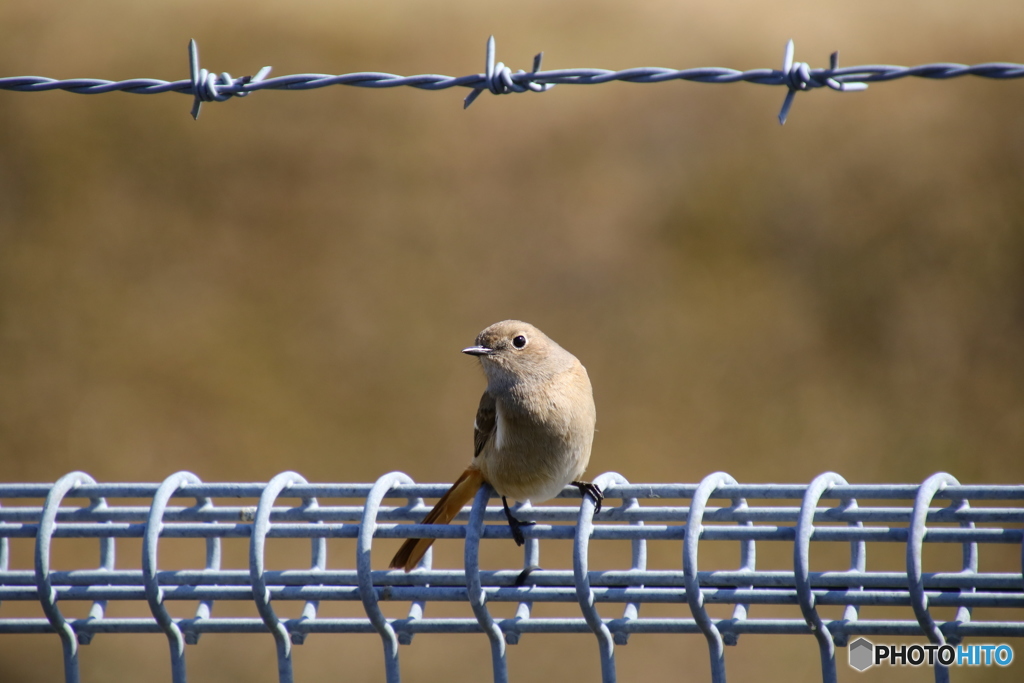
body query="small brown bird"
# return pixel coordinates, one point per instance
(533, 430)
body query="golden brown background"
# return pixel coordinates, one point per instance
(286, 284)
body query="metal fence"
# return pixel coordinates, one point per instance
(206, 86)
(936, 511)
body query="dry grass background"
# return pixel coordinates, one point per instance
(286, 283)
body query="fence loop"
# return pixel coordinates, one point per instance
(364, 567)
(47, 594)
(915, 546)
(154, 593)
(474, 586)
(581, 575)
(257, 562)
(968, 567)
(801, 569)
(694, 595)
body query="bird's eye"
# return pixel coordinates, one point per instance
(519, 342)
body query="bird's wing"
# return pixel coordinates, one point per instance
(484, 424)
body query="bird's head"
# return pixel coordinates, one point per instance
(511, 351)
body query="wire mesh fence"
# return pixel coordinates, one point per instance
(206, 86)
(938, 511)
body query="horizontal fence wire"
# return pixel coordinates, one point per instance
(938, 511)
(205, 86)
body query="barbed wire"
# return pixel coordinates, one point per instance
(206, 86)
(940, 511)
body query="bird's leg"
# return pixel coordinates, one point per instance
(592, 490)
(515, 524)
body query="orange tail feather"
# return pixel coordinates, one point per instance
(461, 492)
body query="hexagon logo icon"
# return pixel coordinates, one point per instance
(862, 654)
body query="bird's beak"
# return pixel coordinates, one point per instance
(478, 351)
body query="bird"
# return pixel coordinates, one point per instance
(533, 432)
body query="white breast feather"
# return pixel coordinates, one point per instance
(499, 429)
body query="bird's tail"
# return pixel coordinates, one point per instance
(461, 492)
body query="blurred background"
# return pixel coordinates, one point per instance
(287, 283)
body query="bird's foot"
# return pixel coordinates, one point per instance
(592, 490)
(516, 525)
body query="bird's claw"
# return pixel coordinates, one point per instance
(517, 530)
(593, 490)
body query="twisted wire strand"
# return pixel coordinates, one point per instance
(206, 86)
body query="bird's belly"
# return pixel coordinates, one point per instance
(535, 467)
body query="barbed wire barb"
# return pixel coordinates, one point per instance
(799, 76)
(207, 87)
(500, 80)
